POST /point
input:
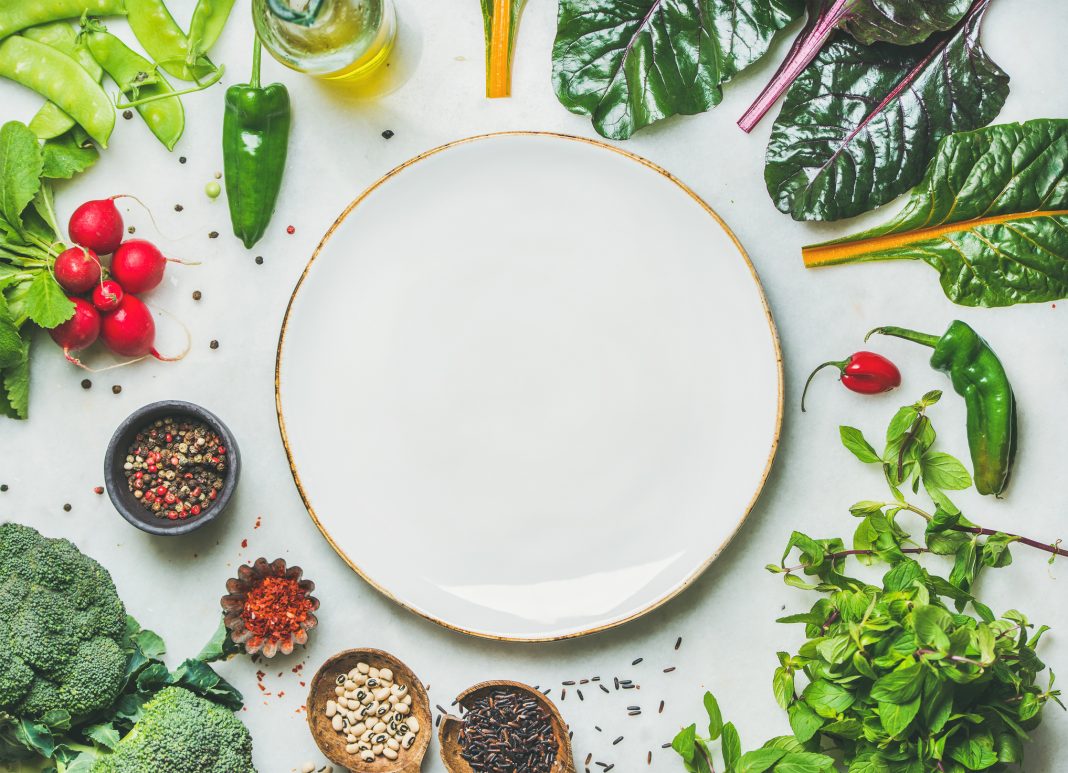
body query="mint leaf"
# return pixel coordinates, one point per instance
(46, 303)
(942, 471)
(715, 717)
(731, 747)
(759, 761)
(896, 718)
(899, 686)
(853, 440)
(684, 743)
(827, 698)
(20, 171)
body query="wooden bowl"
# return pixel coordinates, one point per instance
(332, 744)
(449, 730)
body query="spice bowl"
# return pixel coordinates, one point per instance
(449, 730)
(123, 498)
(333, 744)
(247, 607)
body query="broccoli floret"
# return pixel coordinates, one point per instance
(180, 732)
(61, 627)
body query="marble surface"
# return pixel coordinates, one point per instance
(726, 619)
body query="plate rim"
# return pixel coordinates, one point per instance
(699, 570)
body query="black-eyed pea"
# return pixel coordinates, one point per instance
(382, 710)
(358, 729)
(379, 727)
(331, 708)
(386, 675)
(403, 729)
(349, 685)
(413, 724)
(337, 723)
(372, 683)
(408, 740)
(389, 754)
(398, 689)
(351, 748)
(339, 691)
(407, 700)
(359, 679)
(367, 755)
(377, 748)
(372, 671)
(402, 708)
(393, 744)
(381, 693)
(363, 668)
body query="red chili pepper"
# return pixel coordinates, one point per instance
(865, 372)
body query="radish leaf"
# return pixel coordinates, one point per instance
(630, 63)
(861, 123)
(991, 216)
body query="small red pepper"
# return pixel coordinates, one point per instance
(865, 372)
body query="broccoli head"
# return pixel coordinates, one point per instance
(180, 732)
(62, 626)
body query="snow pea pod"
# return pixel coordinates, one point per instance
(209, 18)
(60, 79)
(159, 34)
(137, 77)
(16, 15)
(50, 121)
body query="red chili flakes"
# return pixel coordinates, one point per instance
(258, 522)
(244, 543)
(275, 608)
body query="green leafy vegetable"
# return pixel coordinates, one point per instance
(20, 171)
(861, 123)
(630, 64)
(898, 677)
(991, 216)
(902, 22)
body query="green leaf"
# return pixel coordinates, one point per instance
(20, 171)
(990, 216)
(46, 303)
(11, 348)
(759, 761)
(975, 753)
(996, 550)
(683, 743)
(900, 686)
(68, 155)
(827, 698)
(932, 624)
(104, 734)
(853, 440)
(150, 643)
(804, 721)
(805, 762)
(16, 386)
(896, 717)
(44, 206)
(715, 718)
(943, 471)
(220, 647)
(630, 64)
(731, 747)
(861, 123)
(782, 685)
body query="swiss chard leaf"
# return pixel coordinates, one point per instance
(630, 63)
(902, 22)
(991, 216)
(861, 123)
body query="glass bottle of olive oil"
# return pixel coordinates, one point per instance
(327, 38)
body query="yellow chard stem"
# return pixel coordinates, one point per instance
(499, 73)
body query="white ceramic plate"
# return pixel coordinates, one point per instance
(529, 386)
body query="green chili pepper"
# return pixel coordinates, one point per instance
(979, 377)
(255, 142)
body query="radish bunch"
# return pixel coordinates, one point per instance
(107, 308)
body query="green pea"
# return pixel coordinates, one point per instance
(133, 73)
(213, 189)
(17, 15)
(62, 80)
(50, 121)
(159, 34)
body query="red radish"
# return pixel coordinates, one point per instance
(97, 225)
(79, 332)
(130, 329)
(138, 265)
(107, 295)
(77, 269)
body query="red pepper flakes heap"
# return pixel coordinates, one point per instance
(176, 467)
(269, 608)
(275, 608)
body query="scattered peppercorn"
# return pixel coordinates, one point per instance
(131, 230)
(178, 207)
(213, 234)
(176, 467)
(87, 384)
(387, 134)
(181, 159)
(98, 490)
(197, 295)
(218, 175)
(116, 389)
(127, 114)
(259, 260)
(3, 487)
(66, 508)
(214, 344)
(290, 230)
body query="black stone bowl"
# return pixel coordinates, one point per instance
(115, 477)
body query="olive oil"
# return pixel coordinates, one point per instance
(344, 39)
